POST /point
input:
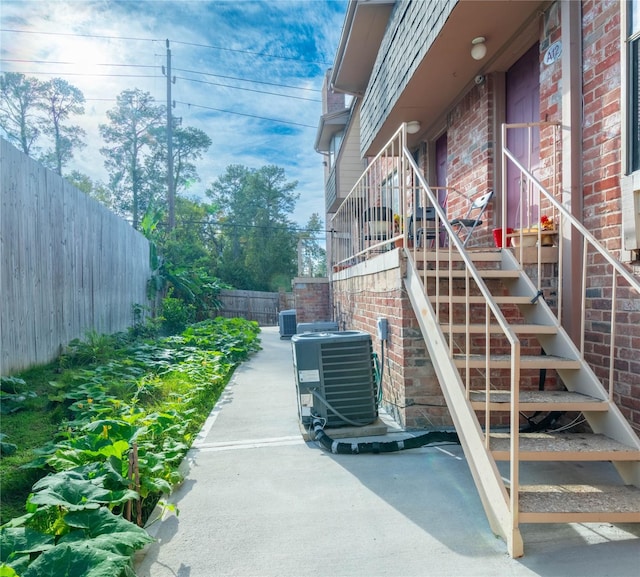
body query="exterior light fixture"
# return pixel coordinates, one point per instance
(413, 126)
(478, 48)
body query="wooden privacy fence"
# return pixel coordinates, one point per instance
(67, 264)
(262, 307)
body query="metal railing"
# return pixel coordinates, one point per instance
(438, 254)
(604, 277)
(382, 211)
(371, 217)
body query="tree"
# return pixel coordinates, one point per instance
(189, 144)
(258, 239)
(129, 137)
(312, 257)
(190, 243)
(60, 100)
(93, 188)
(20, 98)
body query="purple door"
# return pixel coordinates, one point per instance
(523, 105)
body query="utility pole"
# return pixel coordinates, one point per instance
(171, 194)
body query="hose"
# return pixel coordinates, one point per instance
(335, 411)
(380, 447)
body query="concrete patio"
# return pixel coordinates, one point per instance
(260, 501)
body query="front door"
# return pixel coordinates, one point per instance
(523, 106)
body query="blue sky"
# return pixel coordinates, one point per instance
(248, 73)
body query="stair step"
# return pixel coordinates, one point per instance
(563, 447)
(478, 255)
(479, 299)
(579, 503)
(489, 273)
(496, 329)
(539, 401)
(526, 362)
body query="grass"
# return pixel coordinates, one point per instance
(137, 373)
(28, 428)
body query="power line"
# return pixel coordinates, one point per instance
(244, 114)
(34, 73)
(315, 234)
(105, 37)
(189, 104)
(247, 89)
(13, 30)
(263, 54)
(247, 80)
(23, 61)
(115, 65)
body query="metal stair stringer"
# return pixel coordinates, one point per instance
(491, 488)
(611, 422)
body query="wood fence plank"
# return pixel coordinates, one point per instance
(67, 264)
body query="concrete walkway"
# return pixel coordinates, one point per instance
(260, 502)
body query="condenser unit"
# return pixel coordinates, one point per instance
(335, 377)
(317, 327)
(287, 322)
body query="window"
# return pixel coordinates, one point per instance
(391, 192)
(630, 181)
(633, 42)
(334, 147)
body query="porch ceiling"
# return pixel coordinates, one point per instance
(362, 33)
(447, 70)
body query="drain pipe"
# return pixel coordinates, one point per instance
(380, 447)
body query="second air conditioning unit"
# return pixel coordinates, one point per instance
(335, 377)
(287, 323)
(317, 327)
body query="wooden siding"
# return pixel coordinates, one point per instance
(67, 264)
(350, 165)
(412, 28)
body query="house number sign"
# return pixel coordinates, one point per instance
(553, 53)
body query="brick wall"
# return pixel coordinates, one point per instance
(550, 167)
(470, 149)
(602, 168)
(471, 170)
(312, 300)
(411, 392)
(601, 128)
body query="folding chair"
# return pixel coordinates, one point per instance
(422, 225)
(466, 226)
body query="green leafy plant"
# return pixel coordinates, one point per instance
(176, 314)
(6, 448)
(128, 422)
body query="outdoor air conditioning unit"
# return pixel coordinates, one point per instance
(335, 377)
(317, 327)
(287, 322)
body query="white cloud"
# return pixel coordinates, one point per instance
(133, 33)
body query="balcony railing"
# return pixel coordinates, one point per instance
(371, 217)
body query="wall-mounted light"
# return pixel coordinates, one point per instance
(478, 48)
(413, 126)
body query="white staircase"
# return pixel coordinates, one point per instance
(476, 334)
(492, 337)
